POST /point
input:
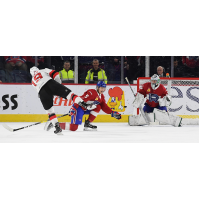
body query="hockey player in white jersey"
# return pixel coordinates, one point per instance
(47, 83)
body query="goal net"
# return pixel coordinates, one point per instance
(185, 97)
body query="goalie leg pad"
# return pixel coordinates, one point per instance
(150, 117)
(136, 120)
(164, 117)
(175, 120)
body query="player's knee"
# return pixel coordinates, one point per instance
(50, 110)
(97, 109)
(73, 127)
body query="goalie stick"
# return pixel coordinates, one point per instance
(141, 110)
(12, 130)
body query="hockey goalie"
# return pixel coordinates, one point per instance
(155, 107)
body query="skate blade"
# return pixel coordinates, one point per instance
(60, 133)
(89, 129)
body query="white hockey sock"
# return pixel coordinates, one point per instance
(53, 118)
(76, 99)
(69, 95)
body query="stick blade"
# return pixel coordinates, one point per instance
(7, 127)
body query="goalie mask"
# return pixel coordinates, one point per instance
(33, 70)
(155, 81)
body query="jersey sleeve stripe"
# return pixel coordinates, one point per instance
(55, 74)
(51, 73)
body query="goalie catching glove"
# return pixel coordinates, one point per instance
(165, 101)
(116, 115)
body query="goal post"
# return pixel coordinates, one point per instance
(185, 97)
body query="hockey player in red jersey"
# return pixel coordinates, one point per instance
(97, 99)
(155, 107)
(154, 91)
(47, 83)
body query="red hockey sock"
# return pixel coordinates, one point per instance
(62, 125)
(91, 118)
(73, 127)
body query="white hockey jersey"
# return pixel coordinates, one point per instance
(41, 77)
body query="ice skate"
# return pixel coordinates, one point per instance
(89, 127)
(48, 126)
(58, 130)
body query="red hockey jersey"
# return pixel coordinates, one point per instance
(153, 95)
(92, 95)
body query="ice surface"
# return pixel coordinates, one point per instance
(107, 133)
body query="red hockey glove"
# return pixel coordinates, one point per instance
(72, 111)
(116, 115)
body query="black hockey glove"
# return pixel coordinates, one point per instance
(90, 106)
(83, 104)
(116, 115)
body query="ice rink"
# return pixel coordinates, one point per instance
(106, 133)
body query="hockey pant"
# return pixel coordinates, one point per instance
(49, 90)
(149, 109)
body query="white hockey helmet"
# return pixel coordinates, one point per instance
(155, 81)
(33, 70)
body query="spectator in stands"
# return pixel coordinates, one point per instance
(164, 61)
(16, 70)
(179, 69)
(95, 74)
(192, 64)
(115, 71)
(66, 75)
(161, 71)
(190, 61)
(113, 67)
(40, 62)
(9, 72)
(14, 61)
(22, 75)
(136, 69)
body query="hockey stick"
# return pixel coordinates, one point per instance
(141, 110)
(12, 130)
(169, 85)
(130, 86)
